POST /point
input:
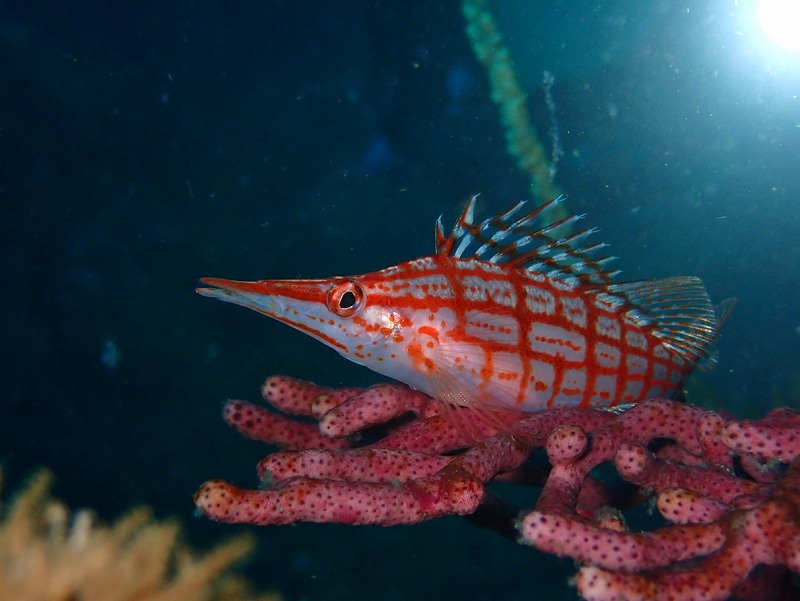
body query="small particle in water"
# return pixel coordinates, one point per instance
(111, 355)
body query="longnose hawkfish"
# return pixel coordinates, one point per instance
(510, 313)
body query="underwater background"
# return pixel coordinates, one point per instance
(146, 144)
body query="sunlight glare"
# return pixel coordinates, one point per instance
(780, 21)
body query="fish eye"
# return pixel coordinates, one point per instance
(346, 298)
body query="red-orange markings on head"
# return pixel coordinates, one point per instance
(429, 331)
(419, 359)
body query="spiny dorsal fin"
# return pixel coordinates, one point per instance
(527, 241)
(677, 310)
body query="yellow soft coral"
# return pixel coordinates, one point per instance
(48, 553)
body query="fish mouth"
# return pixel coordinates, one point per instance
(251, 295)
(218, 286)
(274, 298)
(222, 289)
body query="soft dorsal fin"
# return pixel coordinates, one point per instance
(528, 241)
(677, 310)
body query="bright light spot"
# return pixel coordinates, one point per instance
(780, 20)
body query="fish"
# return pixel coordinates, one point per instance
(516, 312)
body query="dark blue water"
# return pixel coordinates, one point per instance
(146, 144)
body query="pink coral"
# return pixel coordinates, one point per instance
(729, 490)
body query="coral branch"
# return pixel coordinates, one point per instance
(522, 141)
(727, 532)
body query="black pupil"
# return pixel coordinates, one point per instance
(348, 300)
